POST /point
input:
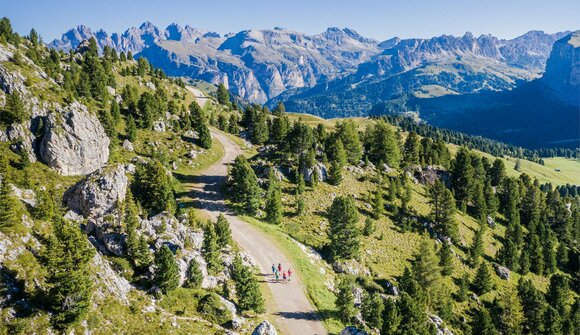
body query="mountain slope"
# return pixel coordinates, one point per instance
(255, 64)
(426, 68)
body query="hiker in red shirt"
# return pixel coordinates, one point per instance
(289, 274)
(279, 267)
(284, 277)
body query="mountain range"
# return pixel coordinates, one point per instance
(450, 81)
(258, 65)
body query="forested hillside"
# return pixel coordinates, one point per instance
(92, 239)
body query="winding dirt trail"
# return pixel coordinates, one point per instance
(294, 313)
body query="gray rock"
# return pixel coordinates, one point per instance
(108, 280)
(502, 272)
(127, 145)
(12, 81)
(265, 328)
(159, 126)
(321, 170)
(439, 325)
(22, 138)
(74, 141)
(351, 267)
(98, 193)
(352, 330)
(24, 195)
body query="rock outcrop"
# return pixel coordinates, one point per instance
(98, 193)
(265, 328)
(74, 141)
(352, 330)
(320, 169)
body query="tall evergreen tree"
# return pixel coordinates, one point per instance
(223, 96)
(391, 318)
(509, 313)
(477, 249)
(482, 323)
(273, 200)
(166, 275)
(345, 300)
(152, 187)
(425, 265)
(558, 293)
(497, 173)
(443, 210)
(462, 177)
(68, 254)
(14, 110)
(382, 145)
(223, 231)
(244, 185)
(413, 317)
(194, 275)
(344, 233)
(411, 149)
(482, 282)
(446, 259)
(248, 291)
(8, 206)
(372, 310)
(210, 250)
(205, 140)
(348, 133)
(378, 202)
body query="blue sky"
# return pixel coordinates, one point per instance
(372, 18)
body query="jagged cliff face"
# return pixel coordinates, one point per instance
(563, 69)
(259, 65)
(255, 64)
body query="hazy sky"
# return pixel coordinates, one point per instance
(372, 18)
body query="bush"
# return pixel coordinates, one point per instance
(213, 309)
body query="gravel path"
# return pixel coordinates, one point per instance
(292, 309)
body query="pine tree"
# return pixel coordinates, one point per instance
(476, 250)
(166, 275)
(491, 200)
(152, 187)
(558, 293)
(244, 185)
(194, 276)
(391, 318)
(131, 129)
(205, 140)
(68, 254)
(425, 265)
(8, 206)
(536, 255)
(273, 200)
(210, 250)
(446, 259)
(382, 145)
(335, 173)
(46, 207)
(549, 256)
(534, 305)
(413, 316)
(344, 233)
(379, 202)
(370, 227)
(462, 177)
(345, 301)
(443, 211)
(497, 173)
(482, 281)
(347, 131)
(411, 152)
(509, 313)
(223, 231)
(14, 110)
(553, 322)
(479, 204)
(223, 95)
(248, 291)
(482, 323)
(463, 287)
(372, 310)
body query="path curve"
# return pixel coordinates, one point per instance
(294, 312)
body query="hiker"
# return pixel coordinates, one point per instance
(289, 274)
(279, 267)
(284, 277)
(273, 269)
(277, 276)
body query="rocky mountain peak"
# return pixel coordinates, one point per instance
(563, 68)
